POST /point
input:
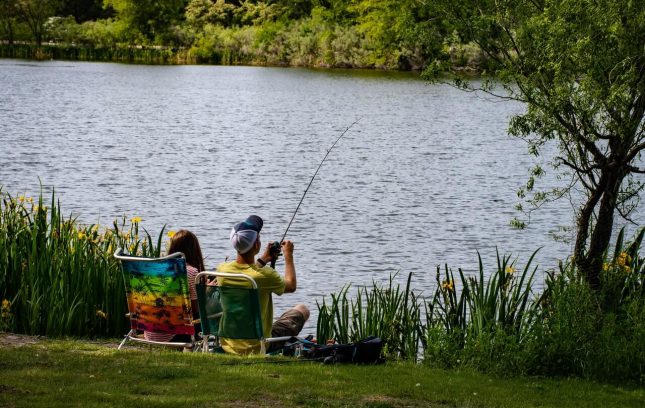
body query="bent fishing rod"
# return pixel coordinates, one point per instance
(275, 246)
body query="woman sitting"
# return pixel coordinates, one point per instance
(186, 242)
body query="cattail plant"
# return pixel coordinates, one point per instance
(391, 313)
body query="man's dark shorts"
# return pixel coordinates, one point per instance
(289, 324)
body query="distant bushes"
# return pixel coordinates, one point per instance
(256, 37)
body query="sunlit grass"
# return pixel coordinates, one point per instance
(74, 373)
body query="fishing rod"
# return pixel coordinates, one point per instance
(275, 246)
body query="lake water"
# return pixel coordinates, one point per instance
(428, 176)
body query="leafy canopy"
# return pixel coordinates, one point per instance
(579, 65)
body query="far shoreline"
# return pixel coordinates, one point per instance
(165, 55)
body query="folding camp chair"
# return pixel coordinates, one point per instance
(158, 298)
(230, 311)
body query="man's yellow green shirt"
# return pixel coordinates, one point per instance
(269, 282)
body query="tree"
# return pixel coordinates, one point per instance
(35, 14)
(397, 30)
(82, 10)
(148, 17)
(579, 66)
(8, 14)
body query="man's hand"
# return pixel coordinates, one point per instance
(287, 250)
(290, 283)
(266, 255)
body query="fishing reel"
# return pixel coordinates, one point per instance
(275, 250)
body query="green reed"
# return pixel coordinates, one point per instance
(391, 313)
(116, 53)
(447, 311)
(59, 277)
(480, 306)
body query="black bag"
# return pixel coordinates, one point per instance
(366, 351)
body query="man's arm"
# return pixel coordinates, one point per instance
(290, 282)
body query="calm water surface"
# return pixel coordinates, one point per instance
(428, 176)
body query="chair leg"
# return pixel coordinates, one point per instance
(127, 336)
(263, 348)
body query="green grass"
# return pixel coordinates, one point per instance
(74, 373)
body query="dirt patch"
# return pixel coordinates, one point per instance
(6, 389)
(384, 401)
(18, 340)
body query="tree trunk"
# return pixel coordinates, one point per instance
(9, 30)
(589, 262)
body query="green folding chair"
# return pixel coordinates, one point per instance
(158, 298)
(231, 312)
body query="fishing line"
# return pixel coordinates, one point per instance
(314, 176)
(275, 246)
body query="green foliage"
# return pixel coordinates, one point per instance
(391, 313)
(335, 33)
(594, 334)
(60, 277)
(396, 32)
(103, 32)
(225, 46)
(570, 329)
(561, 339)
(475, 321)
(34, 13)
(148, 20)
(8, 19)
(578, 67)
(62, 29)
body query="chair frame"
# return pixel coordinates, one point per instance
(263, 340)
(131, 335)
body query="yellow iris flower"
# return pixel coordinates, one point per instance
(448, 285)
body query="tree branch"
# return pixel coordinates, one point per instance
(633, 153)
(633, 169)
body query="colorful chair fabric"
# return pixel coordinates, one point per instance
(230, 311)
(158, 298)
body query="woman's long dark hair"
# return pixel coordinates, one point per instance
(186, 242)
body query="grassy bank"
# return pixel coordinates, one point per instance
(74, 373)
(59, 278)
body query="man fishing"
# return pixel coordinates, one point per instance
(245, 238)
